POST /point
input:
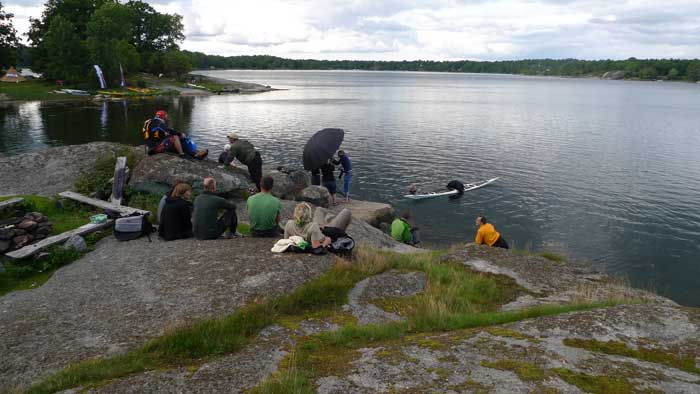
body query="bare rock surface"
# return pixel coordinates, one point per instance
(123, 293)
(50, 171)
(157, 173)
(549, 282)
(387, 285)
(505, 360)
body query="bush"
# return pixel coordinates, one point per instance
(141, 83)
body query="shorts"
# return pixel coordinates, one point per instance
(331, 186)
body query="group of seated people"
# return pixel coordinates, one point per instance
(179, 218)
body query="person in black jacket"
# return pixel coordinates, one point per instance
(176, 218)
(328, 179)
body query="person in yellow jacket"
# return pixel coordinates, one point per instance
(488, 235)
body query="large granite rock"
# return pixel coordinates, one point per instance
(53, 170)
(289, 186)
(157, 173)
(316, 195)
(374, 213)
(615, 75)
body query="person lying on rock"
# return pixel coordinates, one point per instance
(402, 231)
(487, 234)
(264, 211)
(160, 138)
(207, 222)
(311, 226)
(245, 152)
(176, 217)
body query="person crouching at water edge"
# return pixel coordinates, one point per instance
(488, 235)
(245, 152)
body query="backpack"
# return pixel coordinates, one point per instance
(342, 243)
(132, 227)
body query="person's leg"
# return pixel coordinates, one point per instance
(255, 170)
(501, 243)
(229, 221)
(415, 236)
(175, 141)
(320, 217)
(346, 185)
(341, 220)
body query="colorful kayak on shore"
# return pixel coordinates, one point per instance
(467, 187)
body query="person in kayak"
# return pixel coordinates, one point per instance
(402, 231)
(161, 138)
(245, 152)
(456, 185)
(487, 234)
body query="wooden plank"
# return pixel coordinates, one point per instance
(44, 243)
(123, 210)
(10, 202)
(118, 180)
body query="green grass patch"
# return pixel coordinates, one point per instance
(96, 179)
(527, 372)
(35, 89)
(29, 273)
(63, 215)
(315, 355)
(672, 359)
(596, 384)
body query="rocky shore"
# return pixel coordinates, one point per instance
(123, 294)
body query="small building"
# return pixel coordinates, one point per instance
(12, 75)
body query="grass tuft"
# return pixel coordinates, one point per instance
(526, 372)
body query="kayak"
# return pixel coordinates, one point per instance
(467, 187)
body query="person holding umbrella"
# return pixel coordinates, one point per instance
(328, 179)
(245, 152)
(318, 152)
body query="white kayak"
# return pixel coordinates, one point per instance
(467, 187)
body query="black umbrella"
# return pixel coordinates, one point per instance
(321, 147)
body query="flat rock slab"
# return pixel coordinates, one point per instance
(53, 170)
(457, 362)
(386, 285)
(123, 293)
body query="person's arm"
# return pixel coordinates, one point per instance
(317, 238)
(223, 203)
(287, 230)
(406, 236)
(479, 237)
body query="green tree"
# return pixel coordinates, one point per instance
(77, 12)
(153, 31)
(9, 44)
(66, 53)
(672, 74)
(648, 73)
(176, 63)
(109, 34)
(693, 72)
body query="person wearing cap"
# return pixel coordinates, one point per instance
(245, 152)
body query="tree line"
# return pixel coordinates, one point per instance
(72, 35)
(645, 69)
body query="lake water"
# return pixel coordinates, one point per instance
(605, 171)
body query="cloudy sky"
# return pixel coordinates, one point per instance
(437, 29)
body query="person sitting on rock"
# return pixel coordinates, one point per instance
(264, 211)
(176, 217)
(207, 222)
(245, 152)
(311, 226)
(160, 138)
(328, 179)
(402, 231)
(487, 234)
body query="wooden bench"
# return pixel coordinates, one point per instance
(121, 209)
(10, 202)
(44, 243)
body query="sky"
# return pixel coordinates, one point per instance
(430, 30)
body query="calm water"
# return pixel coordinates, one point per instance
(605, 171)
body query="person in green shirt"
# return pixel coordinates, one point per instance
(207, 224)
(402, 231)
(264, 211)
(245, 152)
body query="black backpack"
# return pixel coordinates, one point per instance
(342, 243)
(132, 227)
